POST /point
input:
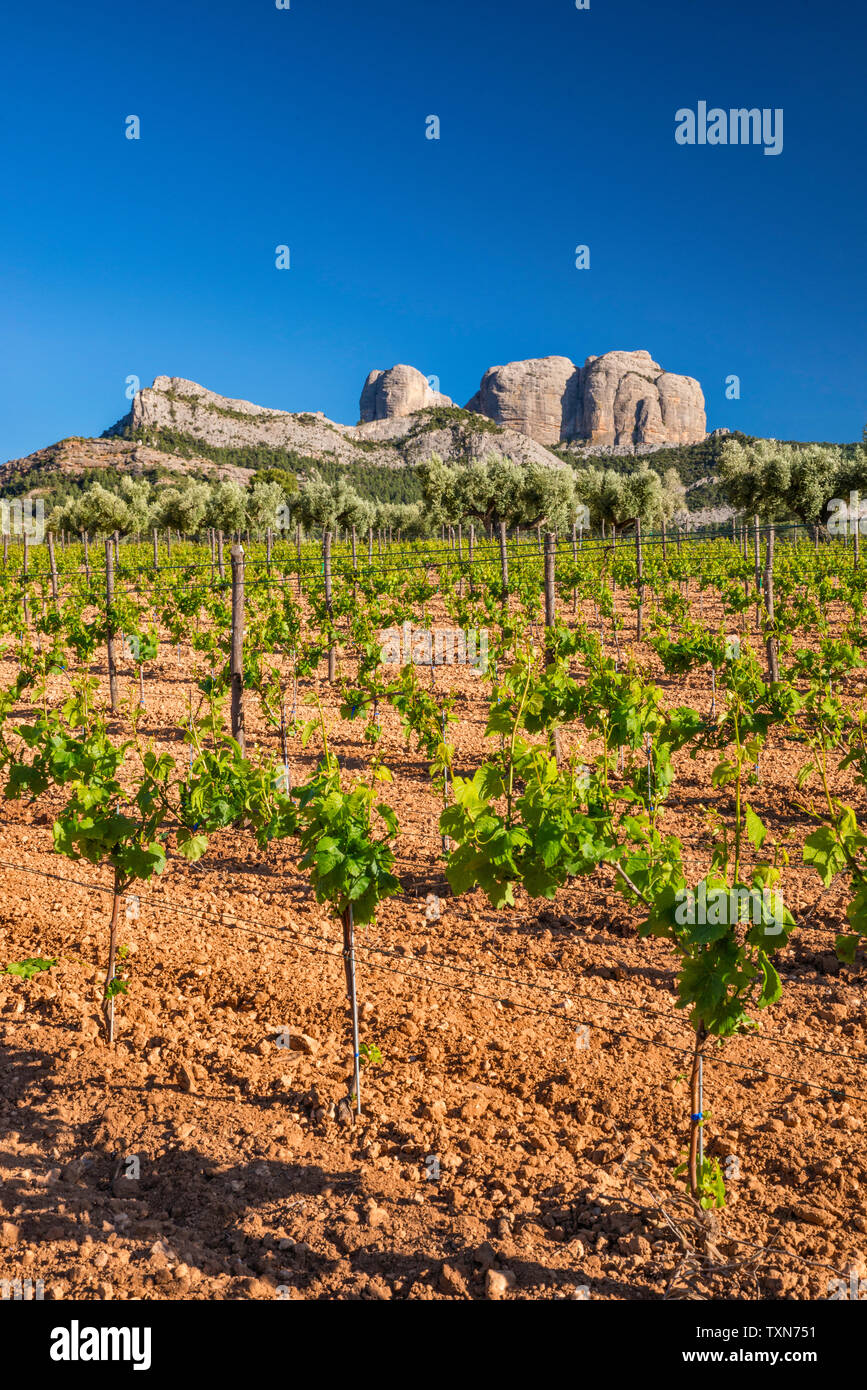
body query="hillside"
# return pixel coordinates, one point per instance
(177, 429)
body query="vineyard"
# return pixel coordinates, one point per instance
(479, 917)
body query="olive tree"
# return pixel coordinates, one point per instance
(771, 480)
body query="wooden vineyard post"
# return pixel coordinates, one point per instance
(664, 542)
(349, 969)
(551, 615)
(237, 658)
(471, 544)
(221, 565)
(326, 570)
(773, 658)
(169, 543)
(757, 552)
(855, 513)
(269, 539)
(107, 999)
(156, 544)
(369, 546)
(25, 566)
(639, 561)
(109, 623)
(85, 542)
(504, 562)
(53, 563)
(696, 1094)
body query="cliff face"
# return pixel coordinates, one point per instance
(174, 406)
(618, 399)
(539, 398)
(622, 401)
(400, 391)
(178, 406)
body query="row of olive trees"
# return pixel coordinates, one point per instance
(499, 490)
(137, 508)
(192, 507)
(337, 506)
(774, 481)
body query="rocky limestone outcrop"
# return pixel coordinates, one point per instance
(627, 398)
(538, 398)
(175, 407)
(621, 399)
(399, 391)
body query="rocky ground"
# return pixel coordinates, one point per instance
(533, 1058)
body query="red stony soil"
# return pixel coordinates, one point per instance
(556, 1159)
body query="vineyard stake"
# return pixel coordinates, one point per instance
(156, 544)
(504, 561)
(349, 968)
(640, 573)
(237, 660)
(326, 570)
(446, 782)
(24, 569)
(220, 563)
(108, 1001)
(773, 661)
(109, 622)
(551, 616)
(696, 1145)
(53, 564)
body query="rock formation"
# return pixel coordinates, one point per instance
(626, 398)
(618, 399)
(388, 395)
(176, 410)
(538, 398)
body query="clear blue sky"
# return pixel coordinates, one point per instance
(306, 127)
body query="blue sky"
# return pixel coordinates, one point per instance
(306, 127)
